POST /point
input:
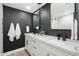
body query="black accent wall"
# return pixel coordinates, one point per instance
(45, 15)
(14, 15)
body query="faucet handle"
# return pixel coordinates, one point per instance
(58, 35)
(64, 37)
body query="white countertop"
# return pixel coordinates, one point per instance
(70, 45)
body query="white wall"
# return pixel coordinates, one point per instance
(1, 28)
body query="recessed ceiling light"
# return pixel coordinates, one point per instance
(28, 7)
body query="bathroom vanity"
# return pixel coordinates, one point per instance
(44, 45)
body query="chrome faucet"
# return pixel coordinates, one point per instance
(58, 36)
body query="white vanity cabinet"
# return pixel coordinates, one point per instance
(31, 44)
(38, 47)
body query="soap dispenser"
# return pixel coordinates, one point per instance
(27, 29)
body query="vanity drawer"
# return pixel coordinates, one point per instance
(34, 51)
(43, 52)
(60, 52)
(56, 51)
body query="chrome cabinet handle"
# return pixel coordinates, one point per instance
(34, 47)
(27, 42)
(34, 41)
(48, 54)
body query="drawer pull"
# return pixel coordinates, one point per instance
(27, 42)
(48, 54)
(34, 41)
(34, 47)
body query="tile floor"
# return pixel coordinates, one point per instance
(20, 53)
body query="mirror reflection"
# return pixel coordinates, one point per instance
(62, 15)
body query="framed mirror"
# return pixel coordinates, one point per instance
(62, 15)
(62, 18)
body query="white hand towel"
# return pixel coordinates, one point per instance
(11, 32)
(17, 31)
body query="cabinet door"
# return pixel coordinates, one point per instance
(40, 51)
(27, 41)
(44, 52)
(47, 53)
(31, 45)
(34, 46)
(34, 50)
(28, 44)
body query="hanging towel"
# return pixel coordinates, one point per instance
(17, 31)
(11, 32)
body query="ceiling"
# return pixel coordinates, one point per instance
(57, 9)
(28, 7)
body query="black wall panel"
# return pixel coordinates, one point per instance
(45, 17)
(15, 16)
